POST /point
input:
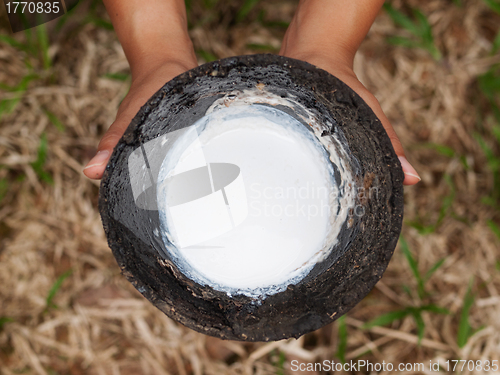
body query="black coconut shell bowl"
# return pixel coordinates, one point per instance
(365, 243)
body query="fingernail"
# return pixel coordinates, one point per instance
(98, 160)
(408, 168)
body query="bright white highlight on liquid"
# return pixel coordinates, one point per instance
(280, 213)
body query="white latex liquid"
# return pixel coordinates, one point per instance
(277, 214)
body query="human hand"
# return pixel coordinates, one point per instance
(157, 46)
(346, 74)
(140, 91)
(311, 37)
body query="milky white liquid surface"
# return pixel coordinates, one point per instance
(288, 183)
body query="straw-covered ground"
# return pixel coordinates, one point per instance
(66, 309)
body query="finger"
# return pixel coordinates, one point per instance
(129, 107)
(411, 175)
(141, 90)
(95, 167)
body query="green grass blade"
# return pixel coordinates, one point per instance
(207, 56)
(489, 201)
(463, 161)
(422, 228)
(426, 34)
(4, 106)
(4, 187)
(280, 364)
(494, 5)
(55, 288)
(20, 88)
(118, 76)
(102, 23)
(407, 290)
(278, 24)
(435, 309)
(43, 44)
(401, 20)
(493, 160)
(413, 266)
(23, 85)
(62, 21)
(342, 346)
(464, 328)
(424, 28)
(496, 132)
(494, 227)
(420, 325)
(441, 149)
(8, 105)
(39, 163)
(496, 44)
(435, 52)
(246, 8)
(4, 320)
(13, 43)
(447, 200)
(433, 269)
(444, 150)
(30, 42)
(41, 153)
(489, 84)
(55, 121)
(278, 359)
(416, 312)
(402, 41)
(386, 319)
(496, 112)
(210, 4)
(99, 22)
(420, 28)
(409, 257)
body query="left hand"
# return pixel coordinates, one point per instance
(312, 37)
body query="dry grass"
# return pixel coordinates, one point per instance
(96, 323)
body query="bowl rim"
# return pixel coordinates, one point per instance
(301, 308)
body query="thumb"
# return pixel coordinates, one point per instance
(411, 175)
(96, 166)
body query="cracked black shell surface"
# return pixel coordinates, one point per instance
(334, 285)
